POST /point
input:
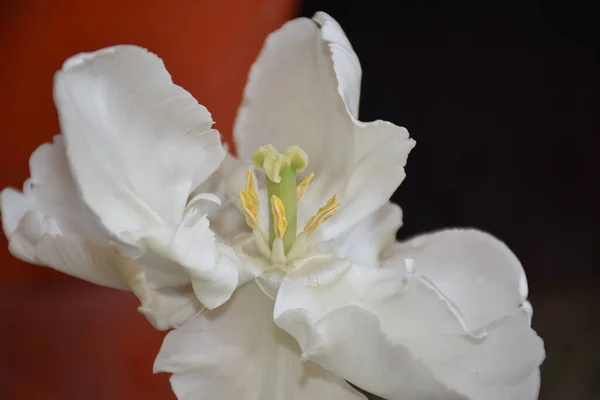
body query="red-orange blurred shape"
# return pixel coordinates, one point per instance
(60, 338)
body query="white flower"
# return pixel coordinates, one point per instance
(443, 316)
(110, 203)
(325, 294)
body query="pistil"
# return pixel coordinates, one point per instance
(280, 170)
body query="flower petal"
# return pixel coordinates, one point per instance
(380, 154)
(292, 98)
(503, 365)
(361, 163)
(165, 307)
(476, 271)
(135, 140)
(529, 389)
(48, 224)
(345, 328)
(394, 336)
(188, 253)
(364, 242)
(236, 352)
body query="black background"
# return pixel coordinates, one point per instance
(502, 99)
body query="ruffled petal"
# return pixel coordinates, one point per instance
(361, 163)
(502, 365)
(236, 352)
(226, 220)
(135, 140)
(48, 224)
(292, 98)
(395, 336)
(529, 389)
(189, 254)
(346, 328)
(364, 242)
(163, 307)
(377, 169)
(138, 146)
(477, 272)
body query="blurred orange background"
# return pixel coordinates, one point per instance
(61, 338)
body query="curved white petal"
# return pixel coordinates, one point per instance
(138, 146)
(291, 98)
(236, 352)
(48, 224)
(364, 242)
(304, 90)
(135, 140)
(380, 154)
(529, 389)
(476, 271)
(503, 365)
(163, 307)
(228, 220)
(393, 335)
(345, 328)
(189, 254)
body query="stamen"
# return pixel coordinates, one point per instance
(322, 215)
(278, 254)
(249, 201)
(279, 221)
(261, 243)
(299, 247)
(250, 209)
(301, 188)
(251, 186)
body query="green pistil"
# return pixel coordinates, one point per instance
(286, 191)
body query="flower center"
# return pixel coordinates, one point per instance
(284, 194)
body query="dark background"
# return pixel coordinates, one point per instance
(502, 99)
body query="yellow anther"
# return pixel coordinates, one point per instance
(250, 208)
(322, 215)
(251, 187)
(279, 221)
(301, 188)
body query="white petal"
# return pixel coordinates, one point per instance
(392, 335)
(135, 140)
(529, 389)
(345, 329)
(364, 242)
(501, 366)
(377, 169)
(292, 98)
(236, 352)
(166, 307)
(189, 254)
(476, 271)
(228, 220)
(14, 206)
(361, 163)
(49, 224)
(214, 286)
